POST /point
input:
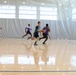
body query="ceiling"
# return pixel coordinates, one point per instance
(41, 2)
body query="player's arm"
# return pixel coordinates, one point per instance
(25, 29)
(41, 30)
(48, 29)
(37, 29)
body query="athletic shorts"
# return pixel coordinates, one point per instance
(45, 35)
(36, 35)
(28, 32)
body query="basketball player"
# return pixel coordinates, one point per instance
(45, 33)
(36, 32)
(28, 32)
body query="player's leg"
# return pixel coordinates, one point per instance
(42, 37)
(25, 35)
(46, 38)
(30, 35)
(36, 37)
(36, 41)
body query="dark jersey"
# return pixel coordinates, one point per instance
(46, 30)
(37, 28)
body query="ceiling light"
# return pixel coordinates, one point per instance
(42, 3)
(5, 1)
(23, 2)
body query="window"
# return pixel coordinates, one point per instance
(74, 14)
(48, 13)
(7, 11)
(27, 12)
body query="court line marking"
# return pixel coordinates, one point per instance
(38, 71)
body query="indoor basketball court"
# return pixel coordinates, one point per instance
(37, 37)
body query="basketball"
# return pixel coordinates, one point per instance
(43, 31)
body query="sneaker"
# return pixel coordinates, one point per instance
(44, 43)
(35, 44)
